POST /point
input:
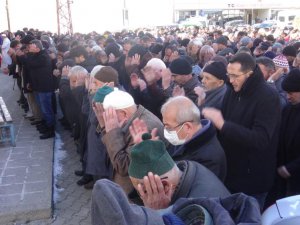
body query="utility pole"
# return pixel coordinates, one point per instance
(64, 17)
(7, 14)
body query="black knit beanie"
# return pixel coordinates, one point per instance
(291, 83)
(181, 66)
(216, 69)
(289, 51)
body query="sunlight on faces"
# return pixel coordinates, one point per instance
(95, 84)
(210, 82)
(170, 123)
(236, 77)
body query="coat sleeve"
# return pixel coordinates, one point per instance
(265, 124)
(294, 166)
(118, 149)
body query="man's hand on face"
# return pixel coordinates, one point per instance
(98, 110)
(110, 119)
(166, 78)
(153, 192)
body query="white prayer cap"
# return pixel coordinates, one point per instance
(95, 70)
(156, 63)
(118, 100)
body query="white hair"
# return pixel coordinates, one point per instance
(79, 72)
(196, 41)
(186, 109)
(156, 63)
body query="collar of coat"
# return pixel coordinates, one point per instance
(250, 85)
(199, 139)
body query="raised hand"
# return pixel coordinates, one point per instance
(138, 128)
(166, 78)
(136, 59)
(178, 91)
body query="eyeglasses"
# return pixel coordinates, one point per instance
(234, 76)
(173, 128)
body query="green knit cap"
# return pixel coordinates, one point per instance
(101, 93)
(149, 156)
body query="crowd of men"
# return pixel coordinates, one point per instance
(168, 114)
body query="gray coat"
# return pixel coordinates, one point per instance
(197, 181)
(97, 160)
(214, 98)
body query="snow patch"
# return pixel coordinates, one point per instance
(59, 155)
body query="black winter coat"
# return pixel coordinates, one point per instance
(40, 68)
(205, 149)
(249, 135)
(289, 145)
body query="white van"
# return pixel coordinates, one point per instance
(286, 17)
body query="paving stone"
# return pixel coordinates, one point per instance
(12, 179)
(71, 202)
(36, 186)
(8, 200)
(20, 201)
(10, 189)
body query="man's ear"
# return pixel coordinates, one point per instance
(249, 74)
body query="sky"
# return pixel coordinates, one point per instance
(87, 15)
(101, 15)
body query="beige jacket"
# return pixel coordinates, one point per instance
(119, 142)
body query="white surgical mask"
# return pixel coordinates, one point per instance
(173, 138)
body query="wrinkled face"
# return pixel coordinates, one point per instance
(207, 56)
(170, 123)
(236, 77)
(210, 82)
(95, 85)
(293, 97)
(178, 79)
(73, 80)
